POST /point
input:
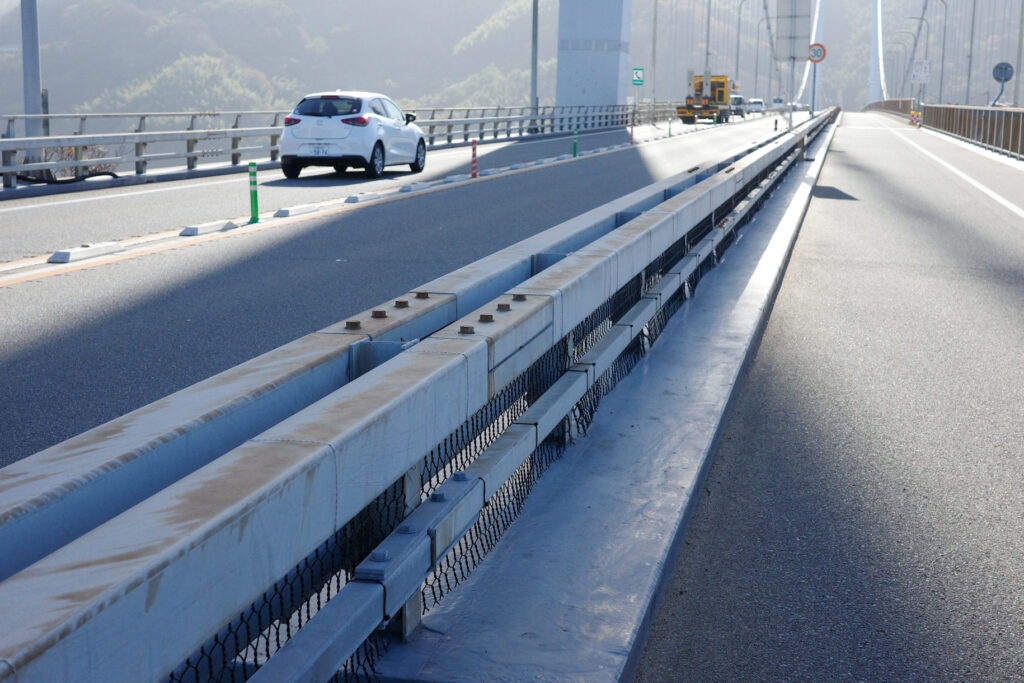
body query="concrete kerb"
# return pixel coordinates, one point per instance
(533, 614)
(83, 252)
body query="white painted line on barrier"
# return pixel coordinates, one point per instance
(206, 228)
(83, 252)
(991, 194)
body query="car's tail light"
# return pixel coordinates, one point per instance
(357, 121)
(291, 120)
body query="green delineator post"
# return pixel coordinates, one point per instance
(575, 140)
(253, 204)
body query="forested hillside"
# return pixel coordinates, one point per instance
(153, 55)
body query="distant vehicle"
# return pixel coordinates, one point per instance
(755, 105)
(739, 106)
(778, 103)
(710, 103)
(343, 129)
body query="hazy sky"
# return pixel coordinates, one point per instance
(406, 48)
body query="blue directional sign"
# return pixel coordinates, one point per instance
(1003, 72)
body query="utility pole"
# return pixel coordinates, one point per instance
(970, 52)
(739, 25)
(534, 102)
(792, 65)
(31, 73)
(942, 68)
(1020, 56)
(757, 59)
(706, 86)
(654, 63)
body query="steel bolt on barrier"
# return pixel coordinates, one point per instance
(253, 203)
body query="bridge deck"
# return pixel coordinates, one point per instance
(862, 516)
(566, 595)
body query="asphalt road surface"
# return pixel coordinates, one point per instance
(864, 515)
(81, 346)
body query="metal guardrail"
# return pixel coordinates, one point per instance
(363, 410)
(901, 106)
(82, 153)
(1000, 129)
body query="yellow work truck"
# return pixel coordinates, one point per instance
(713, 103)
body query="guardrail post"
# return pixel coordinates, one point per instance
(236, 156)
(140, 148)
(7, 158)
(275, 139)
(451, 115)
(1020, 133)
(190, 146)
(411, 614)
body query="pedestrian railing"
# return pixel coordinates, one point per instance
(82, 145)
(998, 128)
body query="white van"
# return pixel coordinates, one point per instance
(755, 105)
(738, 105)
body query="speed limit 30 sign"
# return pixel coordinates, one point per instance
(816, 53)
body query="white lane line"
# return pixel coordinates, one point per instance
(956, 171)
(119, 195)
(1017, 164)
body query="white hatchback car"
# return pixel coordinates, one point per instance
(343, 129)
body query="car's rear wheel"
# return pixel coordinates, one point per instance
(340, 168)
(421, 157)
(291, 169)
(375, 166)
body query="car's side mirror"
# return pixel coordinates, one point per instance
(409, 118)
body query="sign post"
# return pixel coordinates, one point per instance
(793, 24)
(638, 80)
(1002, 72)
(816, 54)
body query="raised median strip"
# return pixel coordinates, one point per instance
(362, 197)
(300, 210)
(307, 475)
(85, 251)
(207, 228)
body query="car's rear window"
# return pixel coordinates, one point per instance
(329, 106)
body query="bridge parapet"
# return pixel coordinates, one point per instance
(1000, 129)
(184, 139)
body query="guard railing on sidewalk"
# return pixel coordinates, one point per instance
(160, 139)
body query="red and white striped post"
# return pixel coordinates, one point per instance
(473, 168)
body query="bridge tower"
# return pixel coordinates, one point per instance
(876, 79)
(593, 52)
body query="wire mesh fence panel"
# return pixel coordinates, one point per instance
(251, 638)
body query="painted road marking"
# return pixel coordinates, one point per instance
(990, 193)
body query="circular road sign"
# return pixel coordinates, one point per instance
(817, 53)
(1003, 72)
